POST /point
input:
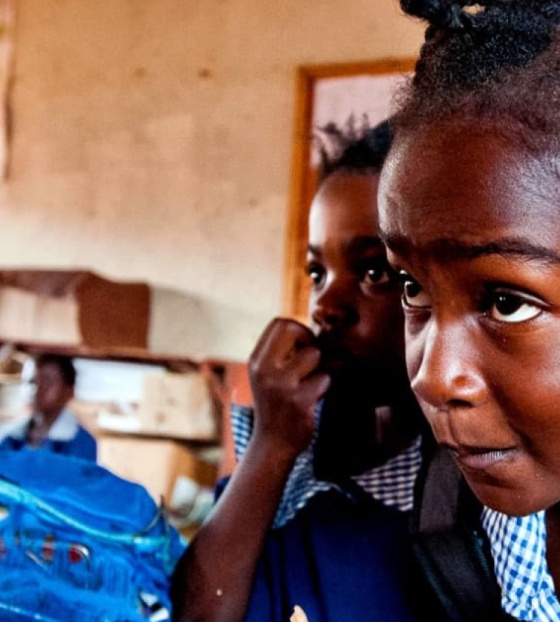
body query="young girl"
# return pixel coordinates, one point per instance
(470, 212)
(315, 514)
(52, 426)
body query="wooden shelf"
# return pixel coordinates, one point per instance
(128, 355)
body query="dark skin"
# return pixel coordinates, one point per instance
(355, 319)
(472, 222)
(355, 315)
(52, 393)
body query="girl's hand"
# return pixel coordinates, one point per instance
(286, 384)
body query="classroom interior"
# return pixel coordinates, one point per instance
(151, 157)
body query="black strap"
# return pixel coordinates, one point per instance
(450, 545)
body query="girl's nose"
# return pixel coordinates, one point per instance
(443, 363)
(334, 307)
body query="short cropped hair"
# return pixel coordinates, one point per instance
(64, 363)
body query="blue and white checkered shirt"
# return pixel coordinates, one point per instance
(518, 546)
(391, 483)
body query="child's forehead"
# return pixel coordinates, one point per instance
(458, 135)
(443, 182)
(467, 155)
(342, 183)
(343, 196)
(48, 368)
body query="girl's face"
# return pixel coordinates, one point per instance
(51, 391)
(473, 223)
(354, 304)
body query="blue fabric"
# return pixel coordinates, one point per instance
(79, 543)
(342, 559)
(83, 445)
(342, 556)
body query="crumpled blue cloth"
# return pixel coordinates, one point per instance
(79, 543)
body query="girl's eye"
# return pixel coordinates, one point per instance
(315, 272)
(413, 295)
(513, 308)
(377, 272)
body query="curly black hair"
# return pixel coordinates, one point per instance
(353, 147)
(496, 62)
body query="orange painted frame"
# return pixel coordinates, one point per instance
(303, 178)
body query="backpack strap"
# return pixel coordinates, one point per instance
(450, 545)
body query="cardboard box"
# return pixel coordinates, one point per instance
(73, 308)
(154, 463)
(178, 405)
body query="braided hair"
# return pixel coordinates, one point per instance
(355, 147)
(496, 62)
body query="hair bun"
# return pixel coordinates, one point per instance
(450, 14)
(444, 14)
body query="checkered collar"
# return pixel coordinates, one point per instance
(518, 546)
(391, 483)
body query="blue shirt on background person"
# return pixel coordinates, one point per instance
(66, 436)
(51, 425)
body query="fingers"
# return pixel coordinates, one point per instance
(317, 385)
(286, 385)
(285, 344)
(282, 336)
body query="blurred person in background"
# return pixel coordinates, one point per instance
(51, 425)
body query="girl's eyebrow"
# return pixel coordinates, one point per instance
(516, 247)
(357, 244)
(520, 248)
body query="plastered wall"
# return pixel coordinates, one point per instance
(151, 140)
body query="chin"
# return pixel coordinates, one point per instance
(510, 501)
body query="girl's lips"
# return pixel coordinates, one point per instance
(482, 458)
(333, 355)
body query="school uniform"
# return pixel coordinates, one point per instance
(341, 553)
(518, 547)
(66, 436)
(481, 564)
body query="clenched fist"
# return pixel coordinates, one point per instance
(287, 384)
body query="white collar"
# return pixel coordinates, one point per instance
(64, 428)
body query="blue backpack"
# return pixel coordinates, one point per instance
(78, 543)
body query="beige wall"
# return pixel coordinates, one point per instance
(152, 141)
